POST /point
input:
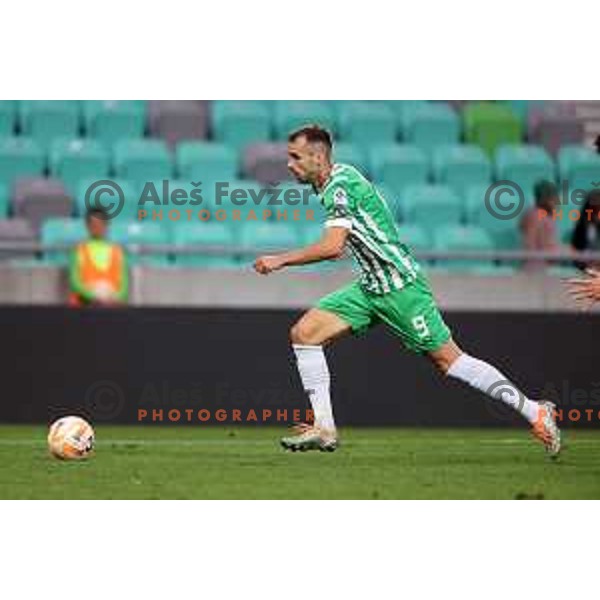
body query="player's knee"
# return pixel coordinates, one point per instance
(302, 334)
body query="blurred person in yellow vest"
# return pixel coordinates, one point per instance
(98, 273)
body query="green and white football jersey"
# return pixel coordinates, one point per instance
(352, 201)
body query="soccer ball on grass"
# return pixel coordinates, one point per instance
(71, 438)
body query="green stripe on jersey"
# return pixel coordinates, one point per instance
(351, 200)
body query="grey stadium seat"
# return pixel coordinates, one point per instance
(38, 198)
(16, 231)
(553, 131)
(175, 120)
(266, 162)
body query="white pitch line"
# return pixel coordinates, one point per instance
(274, 441)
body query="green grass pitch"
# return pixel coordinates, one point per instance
(247, 463)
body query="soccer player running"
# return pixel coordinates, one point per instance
(392, 289)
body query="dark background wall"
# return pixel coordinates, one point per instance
(107, 364)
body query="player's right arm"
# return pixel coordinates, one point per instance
(338, 224)
(329, 247)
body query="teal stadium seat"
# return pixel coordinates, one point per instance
(311, 231)
(8, 117)
(205, 234)
(265, 236)
(415, 237)
(74, 159)
(142, 160)
(106, 196)
(392, 199)
(4, 200)
(20, 157)
(350, 154)
(458, 238)
(404, 110)
(398, 166)
(238, 197)
(504, 232)
(141, 233)
(579, 163)
(61, 231)
(292, 114)
(206, 161)
(45, 120)
(461, 166)
(112, 120)
(430, 205)
(524, 164)
(240, 123)
(431, 124)
(367, 123)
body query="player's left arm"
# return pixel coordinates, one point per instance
(329, 247)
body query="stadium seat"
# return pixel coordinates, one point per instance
(4, 200)
(177, 120)
(106, 196)
(20, 157)
(8, 112)
(398, 166)
(74, 159)
(61, 231)
(554, 131)
(429, 205)
(142, 160)
(312, 230)
(524, 165)
(456, 238)
(461, 166)
(205, 161)
(367, 123)
(404, 109)
(239, 123)
(267, 236)
(211, 233)
(430, 125)
(238, 195)
(168, 200)
(37, 199)
(490, 125)
(504, 232)
(141, 234)
(392, 199)
(522, 108)
(17, 231)
(292, 114)
(415, 236)
(113, 120)
(351, 154)
(44, 120)
(266, 162)
(579, 163)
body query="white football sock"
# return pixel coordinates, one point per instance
(490, 381)
(314, 373)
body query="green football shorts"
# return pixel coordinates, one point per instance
(411, 313)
